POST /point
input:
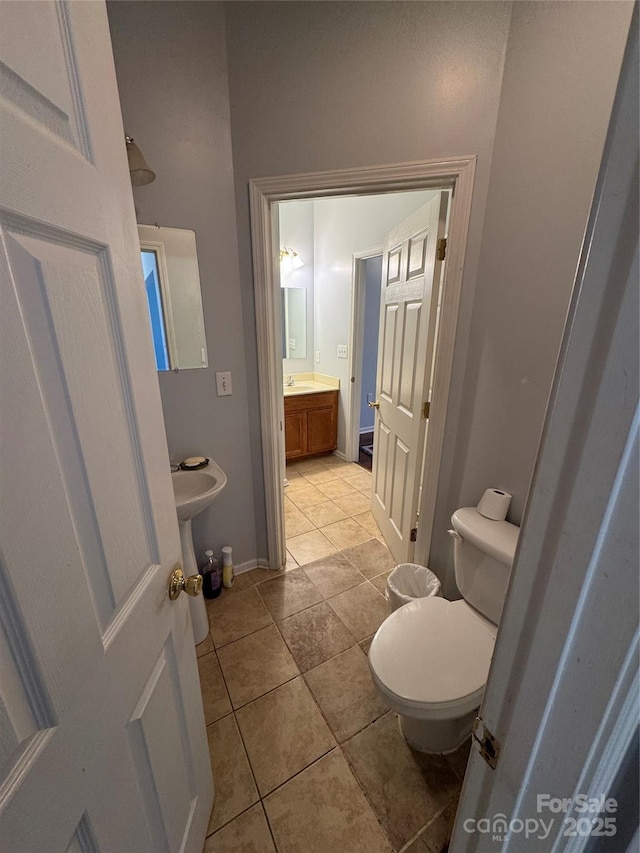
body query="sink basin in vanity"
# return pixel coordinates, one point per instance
(194, 491)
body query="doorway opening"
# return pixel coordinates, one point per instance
(455, 175)
(369, 275)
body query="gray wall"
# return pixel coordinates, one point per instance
(562, 65)
(171, 67)
(331, 85)
(320, 85)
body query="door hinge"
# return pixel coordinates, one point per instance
(426, 408)
(414, 534)
(441, 249)
(487, 743)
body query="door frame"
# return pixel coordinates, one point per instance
(356, 341)
(456, 174)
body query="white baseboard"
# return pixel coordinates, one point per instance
(366, 429)
(340, 455)
(249, 565)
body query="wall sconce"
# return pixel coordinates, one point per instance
(290, 260)
(139, 169)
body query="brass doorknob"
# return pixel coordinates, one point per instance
(178, 583)
(374, 405)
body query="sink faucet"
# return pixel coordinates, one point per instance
(290, 381)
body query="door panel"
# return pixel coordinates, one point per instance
(102, 736)
(405, 358)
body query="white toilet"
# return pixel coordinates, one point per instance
(430, 659)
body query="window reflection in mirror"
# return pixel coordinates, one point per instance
(156, 312)
(172, 282)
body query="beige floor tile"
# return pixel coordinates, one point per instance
(235, 788)
(349, 469)
(283, 732)
(336, 489)
(362, 609)
(345, 693)
(437, 834)
(291, 563)
(214, 693)
(322, 475)
(309, 496)
(406, 789)
(345, 534)
(248, 833)
(288, 505)
(325, 513)
(289, 594)
(315, 635)
(371, 558)
(255, 664)
(322, 809)
(309, 547)
(332, 461)
(380, 581)
(354, 504)
(297, 523)
(333, 575)
(360, 481)
(367, 521)
(232, 616)
(205, 646)
(295, 481)
(306, 466)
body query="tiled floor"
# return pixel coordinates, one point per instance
(305, 756)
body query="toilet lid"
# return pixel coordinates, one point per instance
(433, 652)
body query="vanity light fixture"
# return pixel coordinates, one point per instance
(290, 260)
(139, 169)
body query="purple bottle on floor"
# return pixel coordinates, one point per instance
(211, 583)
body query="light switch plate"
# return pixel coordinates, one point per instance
(223, 384)
(342, 351)
(317, 356)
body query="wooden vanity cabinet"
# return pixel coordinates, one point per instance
(310, 424)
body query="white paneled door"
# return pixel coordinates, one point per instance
(408, 314)
(102, 737)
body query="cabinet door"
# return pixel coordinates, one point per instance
(295, 434)
(321, 430)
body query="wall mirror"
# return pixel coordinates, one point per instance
(172, 281)
(294, 322)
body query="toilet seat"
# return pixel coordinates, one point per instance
(432, 657)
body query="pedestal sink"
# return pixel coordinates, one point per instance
(194, 491)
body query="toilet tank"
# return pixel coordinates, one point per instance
(483, 554)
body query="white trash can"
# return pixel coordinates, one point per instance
(409, 581)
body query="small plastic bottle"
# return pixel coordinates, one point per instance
(211, 586)
(227, 568)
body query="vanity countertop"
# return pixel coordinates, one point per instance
(307, 386)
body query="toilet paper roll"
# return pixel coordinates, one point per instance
(494, 504)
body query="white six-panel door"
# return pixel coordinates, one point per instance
(410, 281)
(102, 736)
